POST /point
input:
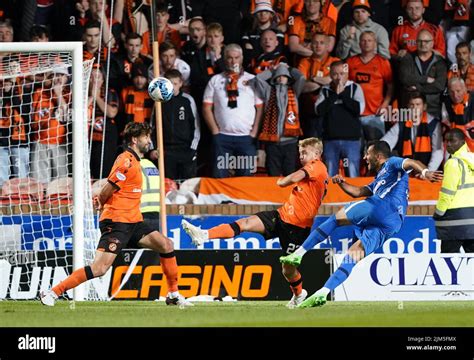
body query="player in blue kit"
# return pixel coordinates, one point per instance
(375, 219)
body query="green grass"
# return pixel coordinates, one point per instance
(245, 313)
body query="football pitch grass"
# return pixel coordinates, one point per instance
(235, 314)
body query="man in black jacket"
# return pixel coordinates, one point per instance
(339, 105)
(180, 131)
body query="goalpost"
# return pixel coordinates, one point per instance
(44, 117)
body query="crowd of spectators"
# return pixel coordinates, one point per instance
(250, 77)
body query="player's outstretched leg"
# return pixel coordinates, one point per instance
(317, 299)
(318, 235)
(354, 255)
(198, 235)
(292, 259)
(224, 231)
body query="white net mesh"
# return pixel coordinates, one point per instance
(36, 173)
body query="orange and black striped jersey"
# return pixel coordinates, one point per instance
(304, 28)
(126, 177)
(138, 105)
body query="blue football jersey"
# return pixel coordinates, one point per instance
(391, 185)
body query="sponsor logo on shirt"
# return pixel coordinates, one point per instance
(120, 176)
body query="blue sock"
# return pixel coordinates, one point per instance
(341, 274)
(321, 233)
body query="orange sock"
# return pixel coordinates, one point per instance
(170, 269)
(296, 283)
(223, 231)
(76, 278)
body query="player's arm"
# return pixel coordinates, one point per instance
(293, 178)
(352, 190)
(433, 176)
(105, 193)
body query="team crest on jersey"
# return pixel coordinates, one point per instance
(405, 36)
(120, 176)
(112, 246)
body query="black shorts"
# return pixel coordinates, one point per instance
(117, 236)
(291, 236)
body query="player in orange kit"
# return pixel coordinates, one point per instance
(121, 222)
(292, 222)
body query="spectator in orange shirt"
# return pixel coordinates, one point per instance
(463, 68)
(312, 20)
(404, 36)
(374, 74)
(50, 118)
(164, 32)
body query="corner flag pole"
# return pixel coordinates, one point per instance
(159, 125)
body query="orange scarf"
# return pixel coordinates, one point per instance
(232, 89)
(467, 128)
(292, 125)
(459, 108)
(422, 149)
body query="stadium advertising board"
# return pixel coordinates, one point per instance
(241, 274)
(409, 277)
(417, 235)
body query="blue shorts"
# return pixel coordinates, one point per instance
(374, 222)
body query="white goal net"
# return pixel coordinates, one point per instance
(47, 224)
